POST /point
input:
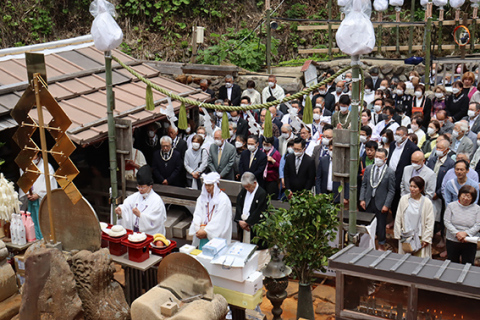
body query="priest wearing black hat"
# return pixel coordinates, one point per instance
(143, 211)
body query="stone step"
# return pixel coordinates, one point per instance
(180, 230)
(174, 216)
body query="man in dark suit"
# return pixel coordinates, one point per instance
(299, 172)
(374, 74)
(204, 87)
(167, 164)
(178, 144)
(251, 203)
(329, 100)
(473, 117)
(242, 124)
(253, 159)
(230, 91)
(324, 183)
(148, 141)
(400, 156)
(377, 192)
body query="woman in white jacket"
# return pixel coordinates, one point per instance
(415, 212)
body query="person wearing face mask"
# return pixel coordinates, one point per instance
(270, 174)
(476, 96)
(387, 139)
(376, 81)
(317, 124)
(365, 135)
(377, 192)
(339, 91)
(387, 123)
(384, 85)
(446, 126)
(285, 136)
(329, 100)
(438, 103)
(418, 168)
(281, 169)
(242, 124)
(324, 183)
(434, 78)
(168, 164)
(341, 120)
(377, 108)
(254, 95)
(456, 104)
(232, 130)
(411, 75)
(468, 79)
(31, 200)
(305, 134)
(460, 142)
(196, 161)
(369, 92)
(429, 140)
(221, 157)
(402, 100)
(204, 87)
(473, 118)
(421, 103)
(400, 156)
(148, 141)
(253, 160)
(415, 127)
(272, 90)
(230, 91)
(299, 169)
(240, 146)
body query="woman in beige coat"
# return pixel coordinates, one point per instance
(415, 212)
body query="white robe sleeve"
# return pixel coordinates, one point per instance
(127, 219)
(198, 218)
(152, 219)
(220, 226)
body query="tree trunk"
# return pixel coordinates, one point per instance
(305, 302)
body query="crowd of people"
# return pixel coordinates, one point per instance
(419, 155)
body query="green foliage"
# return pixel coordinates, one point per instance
(302, 232)
(297, 10)
(249, 54)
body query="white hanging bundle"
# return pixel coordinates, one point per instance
(456, 3)
(9, 202)
(440, 3)
(380, 5)
(106, 33)
(396, 3)
(356, 36)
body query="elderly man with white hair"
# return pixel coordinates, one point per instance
(167, 164)
(285, 136)
(213, 213)
(272, 90)
(230, 91)
(460, 142)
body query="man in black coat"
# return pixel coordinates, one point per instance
(299, 172)
(251, 203)
(167, 164)
(253, 159)
(230, 91)
(204, 86)
(242, 124)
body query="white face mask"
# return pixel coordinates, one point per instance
(243, 105)
(338, 89)
(399, 92)
(377, 108)
(219, 114)
(430, 131)
(251, 90)
(319, 105)
(439, 153)
(398, 139)
(251, 148)
(379, 162)
(454, 134)
(438, 95)
(228, 85)
(238, 144)
(285, 135)
(471, 113)
(418, 94)
(201, 135)
(455, 90)
(290, 150)
(343, 109)
(316, 116)
(151, 134)
(374, 78)
(271, 84)
(325, 141)
(416, 166)
(368, 91)
(382, 88)
(266, 148)
(235, 119)
(410, 78)
(414, 127)
(231, 133)
(298, 154)
(188, 130)
(384, 139)
(322, 92)
(363, 139)
(478, 143)
(195, 145)
(218, 142)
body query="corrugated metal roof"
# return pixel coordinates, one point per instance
(76, 81)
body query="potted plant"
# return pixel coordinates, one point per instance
(302, 232)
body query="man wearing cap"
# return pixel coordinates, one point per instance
(213, 213)
(144, 210)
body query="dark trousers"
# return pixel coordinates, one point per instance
(467, 251)
(395, 201)
(381, 221)
(272, 189)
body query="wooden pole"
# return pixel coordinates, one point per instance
(397, 14)
(379, 33)
(440, 29)
(269, 42)
(43, 144)
(463, 49)
(410, 35)
(330, 35)
(428, 38)
(473, 25)
(194, 44)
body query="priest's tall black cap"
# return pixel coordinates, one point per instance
(144, 176)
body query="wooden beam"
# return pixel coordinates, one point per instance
(384, 48)
(210, 70)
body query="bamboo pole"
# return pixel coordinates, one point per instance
(330, 43)
(410, 34)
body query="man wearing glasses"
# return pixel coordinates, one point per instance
(144, 210)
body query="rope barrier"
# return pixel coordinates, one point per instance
(236, 108)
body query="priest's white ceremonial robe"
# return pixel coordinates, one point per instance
(152, 213)
(220, 224)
